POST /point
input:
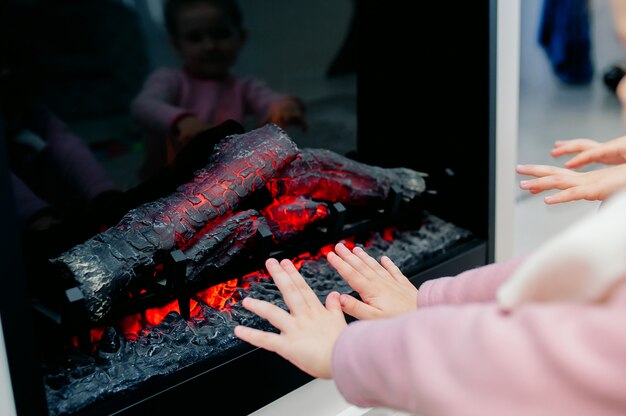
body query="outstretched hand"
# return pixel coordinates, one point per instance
(589, 151)
(309, 330)
(186, 129)
(595, 185)
(384, 290)
(287, 112)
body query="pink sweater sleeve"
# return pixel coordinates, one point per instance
(259, 97)
(155, 108)
(74, 158)
(475, 285)
(474, 359)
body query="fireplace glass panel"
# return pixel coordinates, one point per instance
(171, 342)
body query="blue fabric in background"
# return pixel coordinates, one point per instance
(564, 35)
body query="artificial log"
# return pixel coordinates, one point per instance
(324, 175)
(106, 264)
(221, 241)
(201, 217)
(288, 216)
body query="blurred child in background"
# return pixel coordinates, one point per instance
(175, 105)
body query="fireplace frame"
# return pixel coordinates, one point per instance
(267, 376)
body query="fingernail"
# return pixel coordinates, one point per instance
(341, 247)
(524, 185)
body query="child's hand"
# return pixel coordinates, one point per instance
(384, 289)
(307, 332)
(287, 112)
(595, 185)
(186, 129)
(589, 151)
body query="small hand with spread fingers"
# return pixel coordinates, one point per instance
(384, 290)
(595, 185)
(589, 151)
(307, 332)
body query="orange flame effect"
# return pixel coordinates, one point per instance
(221, 296)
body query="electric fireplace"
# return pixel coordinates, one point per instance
(143, 321)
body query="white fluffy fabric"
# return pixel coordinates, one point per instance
(581, 264)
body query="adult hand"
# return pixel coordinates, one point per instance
(589, 151)
(309, 330)
(595, 185)
(286, 112)
(384, 290)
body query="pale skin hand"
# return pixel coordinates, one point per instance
(384, 290)
(183, 131)
(309, 330)
(287, 112)
(589, 151)
(596, 185)
(186, 129)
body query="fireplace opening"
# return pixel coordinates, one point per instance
(160, 293)
(159, 338)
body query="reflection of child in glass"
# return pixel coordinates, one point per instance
(177, 104)
(54, 174)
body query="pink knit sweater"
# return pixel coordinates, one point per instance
(168, 94)
(460, 354)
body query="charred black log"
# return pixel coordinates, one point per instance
(324, 175)
(109, 262)
(288, 216)
(221, 241)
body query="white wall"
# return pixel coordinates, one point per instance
(7, 405)
(507, 98)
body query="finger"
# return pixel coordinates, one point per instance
(572, 194)
(276, 316)
(361, 262)
(355, 279)
(284, 282)
(333, 303)
(541, 170)
(357, 308)
(393, 270)
(550, 182)
(583, 192)
(309, 296)
(352, 259)
(266, 340)
(583, 159)
(372, 264)
(563, 147)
